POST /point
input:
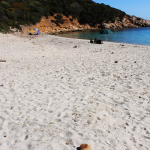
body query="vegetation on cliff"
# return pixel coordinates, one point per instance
(19, 12)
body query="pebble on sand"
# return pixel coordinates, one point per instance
(67, 143)
(85, 147)
(1, 60)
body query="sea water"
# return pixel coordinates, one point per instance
(132, 36)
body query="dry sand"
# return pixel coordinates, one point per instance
(57, 93)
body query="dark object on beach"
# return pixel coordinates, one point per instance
(26, 137)
(98, 41)
(116, 62)
(30, 33)
(91, 41)
(75, 46)
(95, 40)
(105, 31)
(2, 60)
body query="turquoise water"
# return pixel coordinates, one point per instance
(132, 36)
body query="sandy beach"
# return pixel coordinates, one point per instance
(57, 93)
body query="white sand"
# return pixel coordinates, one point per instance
(52, 94)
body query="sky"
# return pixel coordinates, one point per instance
(138, 8)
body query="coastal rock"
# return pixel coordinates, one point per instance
(70, 24)
(48, 25)
(127, 22)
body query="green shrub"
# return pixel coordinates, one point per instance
(59, 19)
(5, 4)
(75, 10)
(17, 12)
(36, 3)
(139, 18)
(4, 27)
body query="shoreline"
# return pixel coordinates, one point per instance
(57, 35)
(57, 93)
(96, 31)
(78, 31)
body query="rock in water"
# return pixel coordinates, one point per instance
(85, 147)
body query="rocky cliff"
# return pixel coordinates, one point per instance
(127, 22)
(49, 25)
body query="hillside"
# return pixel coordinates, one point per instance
(26, 12)
(48, 25)
(55, 16)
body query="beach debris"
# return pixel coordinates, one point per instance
(85, 147)
(74, 114)
(116, 62)
(5, 135)
(112, 53)
(1, 85)
(75, 46)
(129, 87)
(67, 143)
(26, 137)
(1, 60)
(75, 120)
(135, 62)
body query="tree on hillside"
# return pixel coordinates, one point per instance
(16, 12)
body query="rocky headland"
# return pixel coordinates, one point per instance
(49, 25)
